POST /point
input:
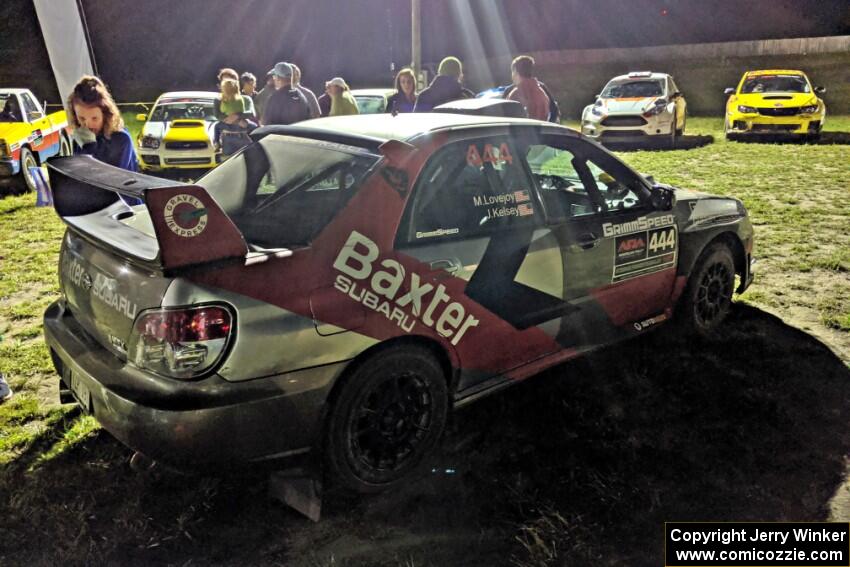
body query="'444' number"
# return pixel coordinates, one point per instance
(662, 240)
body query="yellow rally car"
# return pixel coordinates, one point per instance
(774, 102)
(178, 132)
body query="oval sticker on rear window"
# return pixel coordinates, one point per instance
(185, 215)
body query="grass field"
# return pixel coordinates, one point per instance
(67, 495)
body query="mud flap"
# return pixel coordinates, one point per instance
(299, 490)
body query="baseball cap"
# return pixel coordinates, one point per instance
(282, 69)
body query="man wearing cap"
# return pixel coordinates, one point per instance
(342, 101)
(445, 87)
(287, 105)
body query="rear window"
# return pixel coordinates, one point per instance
(283, 190)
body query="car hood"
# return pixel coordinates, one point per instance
(179, 130)
(630, 105)
(774, 100)
(698, 210)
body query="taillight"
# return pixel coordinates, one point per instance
(180, 343)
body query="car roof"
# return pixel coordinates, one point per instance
(640, 75)
(774, 72)
(371, 130)
(373, 92)
(188, 94)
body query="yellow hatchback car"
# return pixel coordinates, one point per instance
(774, 102)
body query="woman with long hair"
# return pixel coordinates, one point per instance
(404, 98)
(98, 127)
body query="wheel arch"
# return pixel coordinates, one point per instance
(727, 237)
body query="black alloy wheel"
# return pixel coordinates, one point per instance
(708, 296)
(388, 416)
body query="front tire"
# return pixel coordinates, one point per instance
(708, 296)
(65, 147)
(27, 160)
(387, 417)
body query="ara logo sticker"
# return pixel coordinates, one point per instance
(404, 299)
(185, 215)
(490, 154)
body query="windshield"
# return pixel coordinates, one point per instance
(198, 110)
(370, 104)
(775, 84)
(282, 191)
(633, 89)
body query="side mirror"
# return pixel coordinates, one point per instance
(729, 91)
(662, 198)
(820, 90)
(141, 117)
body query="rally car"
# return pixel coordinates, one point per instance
(337, 286)
(28, 135)
(178, 132)
(635, 107)
(774, 102)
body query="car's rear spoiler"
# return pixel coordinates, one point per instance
(190, 226)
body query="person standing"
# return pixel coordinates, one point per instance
(342, 101)
(98, 128)
(265, 93)
(446, 86)
(287, 105)
(404, 99)
(528, 91)
(315, 111)
(248, 87)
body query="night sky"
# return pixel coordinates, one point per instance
(147, 46)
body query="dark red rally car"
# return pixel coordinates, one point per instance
(338, 286)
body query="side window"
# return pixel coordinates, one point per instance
(471, 188)
(618, 191)
(556, 172)
(30, 108)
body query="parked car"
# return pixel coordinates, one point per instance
(635, 107)
(372, 101)
(28, 135)
(774, 102)
(338, 286)
(178, 132)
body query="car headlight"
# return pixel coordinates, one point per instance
(656, 108)
(747, 109)
(597, 110)
(809, 109)
(149, 142)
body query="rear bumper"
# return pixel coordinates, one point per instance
(179, 422)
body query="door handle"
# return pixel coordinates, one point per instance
(449, 266)
(587, 240)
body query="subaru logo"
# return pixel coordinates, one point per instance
(778, 105)
(85, 281)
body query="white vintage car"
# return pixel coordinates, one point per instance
(635, 107)
(178, 132)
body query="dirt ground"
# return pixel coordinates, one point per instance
(580, 464)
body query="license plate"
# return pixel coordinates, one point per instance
(80, 391)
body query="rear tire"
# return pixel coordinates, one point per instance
(386, 418)
(27, 161)
(65, 148)
(708, 296)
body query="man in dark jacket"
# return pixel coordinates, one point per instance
(445, 87)
(287, 105)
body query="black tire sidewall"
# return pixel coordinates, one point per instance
(65, 147)
(716, 253)
(367, 375)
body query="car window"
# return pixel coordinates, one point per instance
(576, 179)
(775, 83)
(183, 110)
(30, 108)
(559, 183)
(633, 89)
(282, 191)
(472, 188)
